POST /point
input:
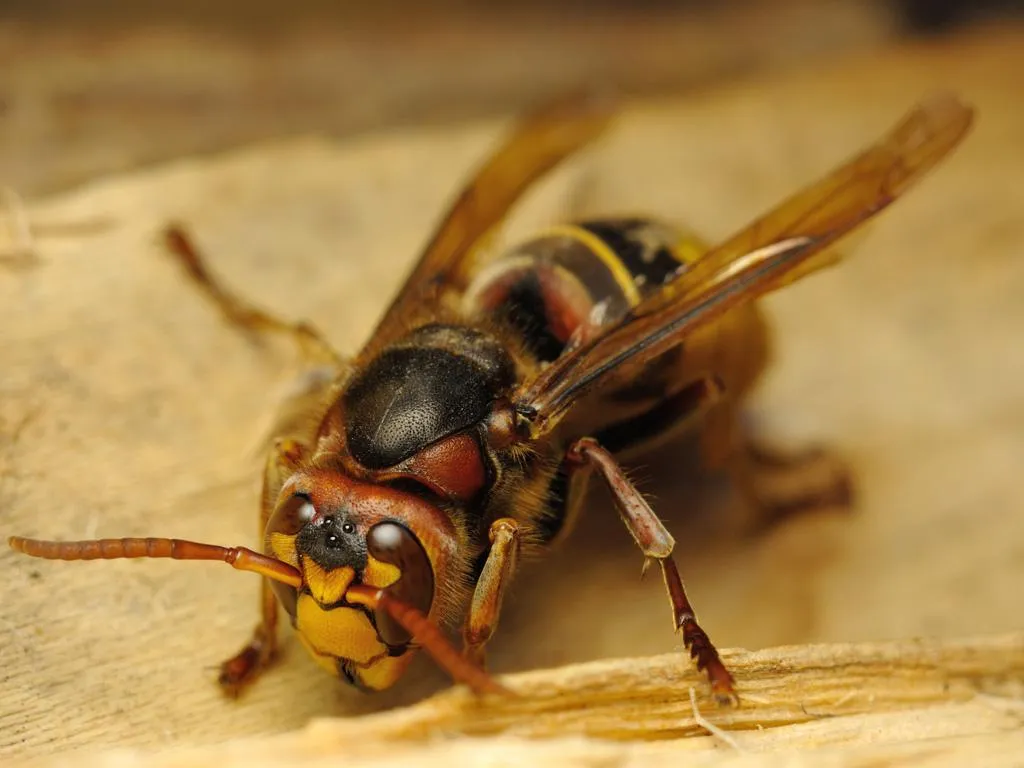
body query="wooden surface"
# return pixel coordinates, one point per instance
(127, 408)
(914, 703)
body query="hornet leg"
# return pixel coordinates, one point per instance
(490, 589)
(784, 484)
(258, 654)
(776, 484)
(237, 311)
(657, 544)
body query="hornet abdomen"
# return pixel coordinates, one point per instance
(591, 274)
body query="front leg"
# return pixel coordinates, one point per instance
(489, 593)
(657, 544)
(261, 649)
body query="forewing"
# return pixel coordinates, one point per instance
(537, 145)
(777, 248)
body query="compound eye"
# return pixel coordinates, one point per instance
(396, 545)
(292, 515)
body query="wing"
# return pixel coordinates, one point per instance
(538, 144)
(776, 249)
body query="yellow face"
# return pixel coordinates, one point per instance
(349, 539)
(341, 637)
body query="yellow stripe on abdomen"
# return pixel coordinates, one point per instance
(598, 247)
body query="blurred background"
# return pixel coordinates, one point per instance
(91, 88)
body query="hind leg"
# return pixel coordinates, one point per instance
(776, 484)
(786, 483)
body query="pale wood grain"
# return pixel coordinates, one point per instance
(918, 703)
